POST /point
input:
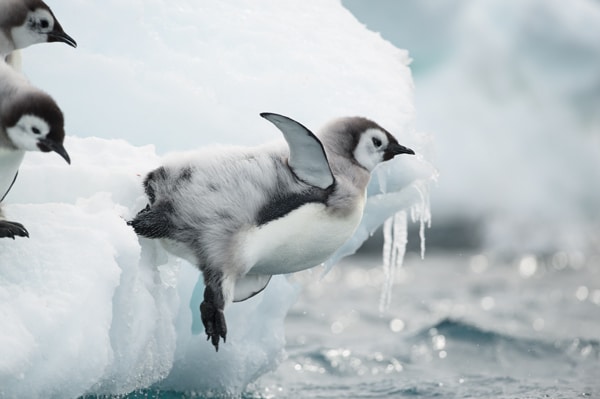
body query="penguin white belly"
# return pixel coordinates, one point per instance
(302, 239)
(9, 166)
(179, 249)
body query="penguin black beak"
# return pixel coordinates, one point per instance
(50, 145)
(58, 35)
(394, 149)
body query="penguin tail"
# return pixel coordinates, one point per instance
(152, 222)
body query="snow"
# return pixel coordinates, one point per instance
(90, 308)
(85, 291)
(185, 75)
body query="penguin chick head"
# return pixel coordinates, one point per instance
(33, 22)
(36, 123)
(363, 140)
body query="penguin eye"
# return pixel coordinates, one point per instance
(35, 130)
(44, 23)
(376, 142)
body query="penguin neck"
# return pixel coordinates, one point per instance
(6, 145)
(10, 152)
(6, 44)
(10, 160)
(344, 168)
(351, 182)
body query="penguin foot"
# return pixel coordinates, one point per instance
(214, 323)
(12, 230)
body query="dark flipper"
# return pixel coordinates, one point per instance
(307, 158)
(211, 310)
(152, 222)
(12, 230)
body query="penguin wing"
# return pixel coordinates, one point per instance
(250, 285)
(307, 155)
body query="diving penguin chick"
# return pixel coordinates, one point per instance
(30, 120)
(27, 22)
(244, 215)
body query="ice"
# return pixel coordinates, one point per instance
(185, 75)
(510, 88)
(397, 186)
(84, 290)
(394, 247)
(88, 307)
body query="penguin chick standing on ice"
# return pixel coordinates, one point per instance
(30, 120)
(244, 215)
(27, 22)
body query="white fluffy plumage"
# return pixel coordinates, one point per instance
(244, 214)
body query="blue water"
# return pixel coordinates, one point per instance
(459, 326)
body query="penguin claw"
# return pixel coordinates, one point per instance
(214, 323)
(12, 230)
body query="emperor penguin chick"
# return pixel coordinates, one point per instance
(244, 215)
(30, 120)
(27, 22)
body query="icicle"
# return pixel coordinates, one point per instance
(388, 253)
(422, 237)
(382, 176)
(395, 237)
(394, 248)
(422, 213)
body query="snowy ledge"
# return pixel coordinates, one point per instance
(85, 290)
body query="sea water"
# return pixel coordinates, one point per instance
(459, 325)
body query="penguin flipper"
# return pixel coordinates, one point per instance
(12, 230)
(307, 155)
(250, 285)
